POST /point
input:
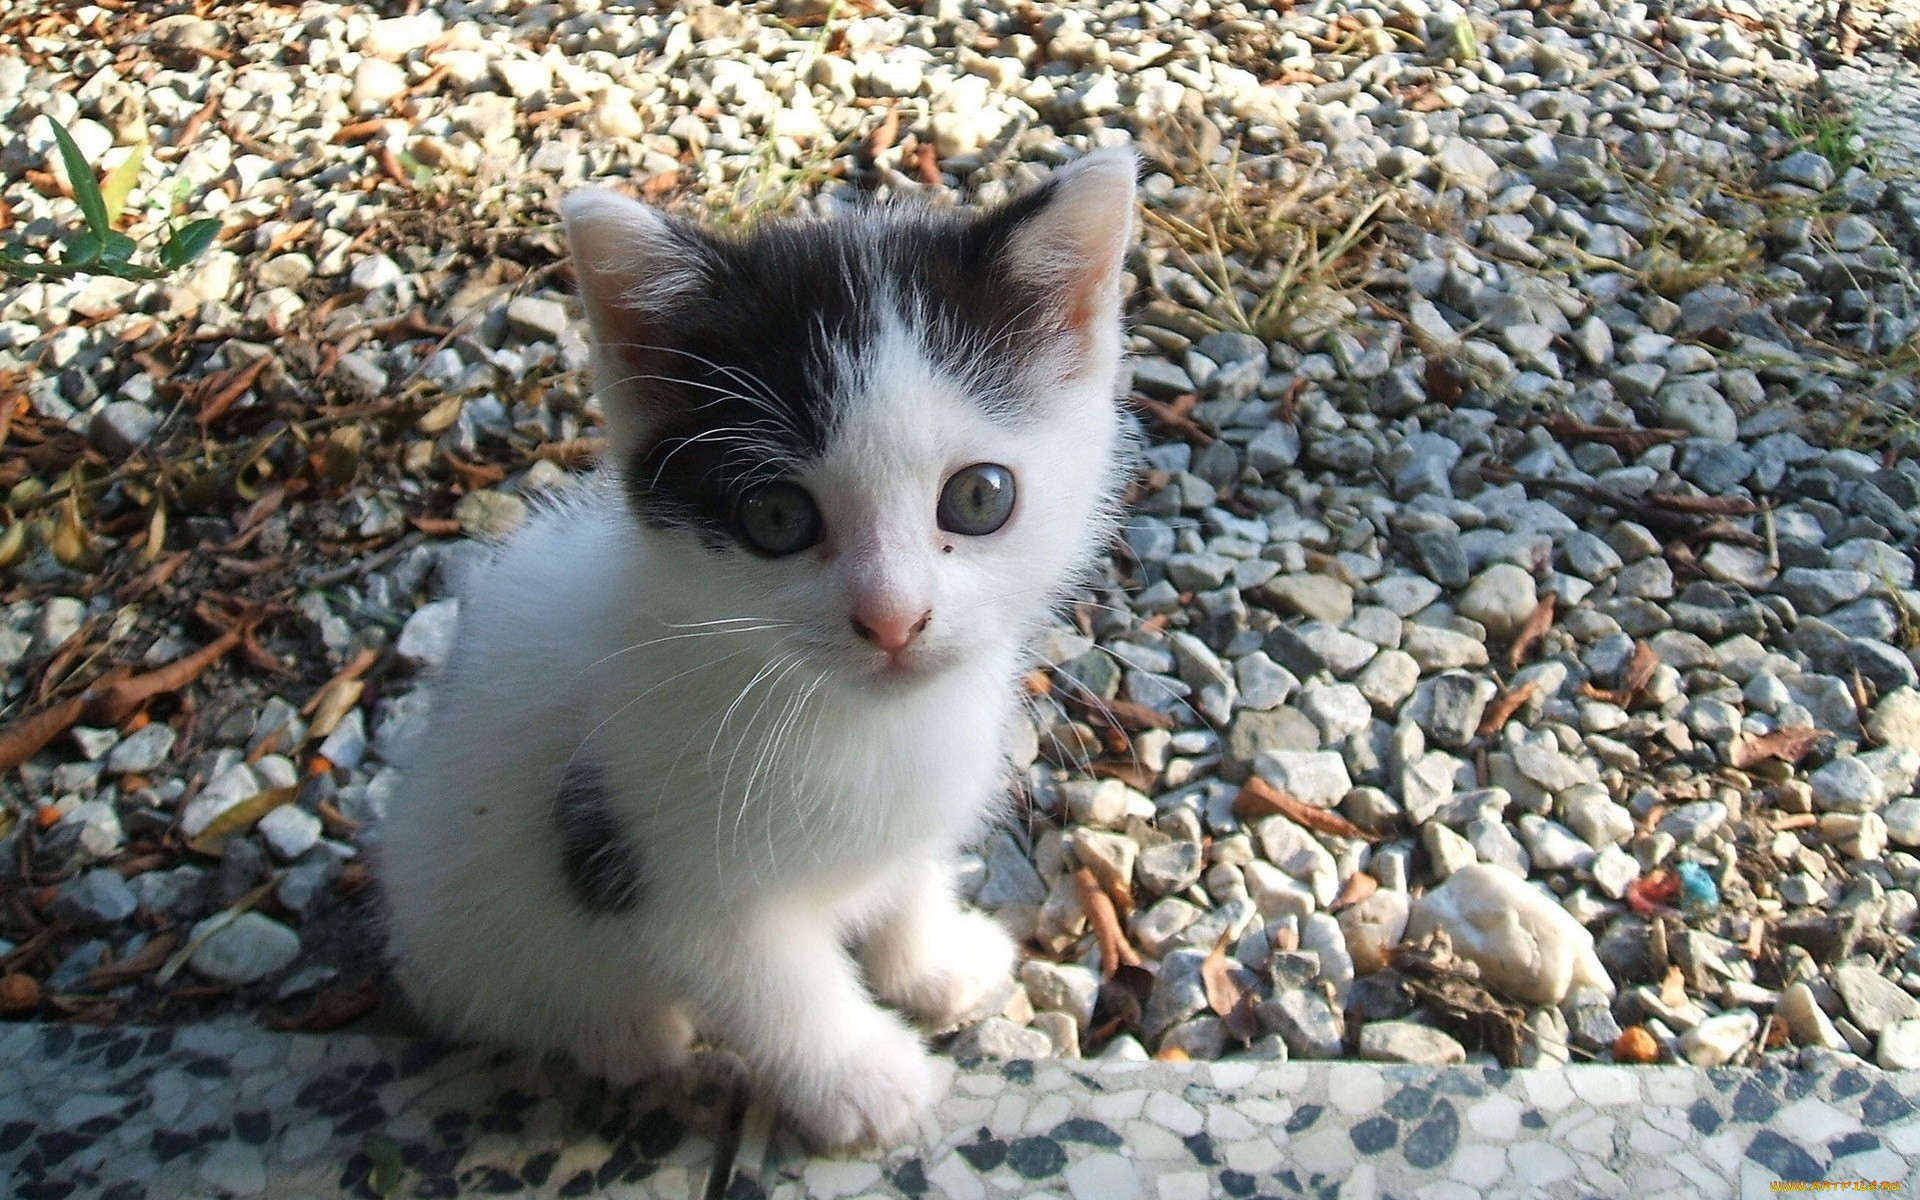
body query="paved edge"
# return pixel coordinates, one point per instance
(227, 1109)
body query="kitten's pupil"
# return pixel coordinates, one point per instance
(977, 500)
(779, 519)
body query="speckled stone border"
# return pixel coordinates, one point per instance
(230, 1110)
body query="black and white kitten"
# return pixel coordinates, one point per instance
(715, 727)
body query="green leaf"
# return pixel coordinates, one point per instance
(120, 181)
(388, 1170)
(82, 248)
(118, 248)
(189, 242)
(86, 189)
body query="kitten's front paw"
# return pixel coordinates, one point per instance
(964, 973)
(870, 1097)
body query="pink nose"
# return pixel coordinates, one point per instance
(891, 631)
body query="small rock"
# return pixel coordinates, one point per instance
(490, 513)
(427, 639)
(1501, 598)
(1807, 1023)
(1527, 947)
(1373, 927)
(289, 831)
(97, 899)
(143, 751)
(999, 1038)
(1305, 1022)
(1716, 1041)
(122, 427)
(1873, 1001)
(1899, 1046)
(248, 948)
(1406, 1042)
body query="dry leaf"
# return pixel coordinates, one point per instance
(241, 817)
(1631, 443)
(1673, 989)
(149, 958)
(1229, 990)
(882, 138)
(1788, 745)
(1358, 887)
(1503, 707)
(1535, 627)
(336, 701)
(1258, 798)
(1115, 950)
(331, 1009)
(1443, 386)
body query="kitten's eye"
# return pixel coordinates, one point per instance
(779, 519)
(977, 500)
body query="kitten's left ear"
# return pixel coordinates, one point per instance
(1069, 238)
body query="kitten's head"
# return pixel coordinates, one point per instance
(896, 434)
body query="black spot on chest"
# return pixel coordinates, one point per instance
(597, 856)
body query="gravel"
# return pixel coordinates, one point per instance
(1371, 493)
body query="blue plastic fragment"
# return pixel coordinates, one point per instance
(1697, 887)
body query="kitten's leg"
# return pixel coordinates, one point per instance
(933, 958)
(637, 1043)
(787, 998)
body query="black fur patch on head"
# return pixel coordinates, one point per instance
(749, 369)
(601, 866)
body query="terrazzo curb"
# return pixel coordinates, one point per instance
(230, 1110)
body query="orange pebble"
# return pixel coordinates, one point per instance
(1174, 1054)
(1636, 1045)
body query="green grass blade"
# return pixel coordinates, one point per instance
(86, 189)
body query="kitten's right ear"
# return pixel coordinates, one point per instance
(635, 267)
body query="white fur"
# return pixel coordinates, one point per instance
(791, 801)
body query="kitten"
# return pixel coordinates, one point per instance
(716, 726)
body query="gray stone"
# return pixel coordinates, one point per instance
(1899, 1046)
(243, 949)
(1696, 406)
(1170, 867)
(1527, 947)
(1802, 169)
(1160, 379)
(1847, 785)
(1501, 598)
(1061, 987)
(537, 319)
(1819, 590)
(1406, 1042)
(1717, 1041)
(122, 427)
(96, 899)
(1011, 878)
(1436, 649)
(1710, 308)
(1179, 992)
(427, 639)
(1317, 778)
(1316, 597)
(1873, 1001)
(1807, 1023)
(289, 831)
(143, 751)
(997, 1038)
(1263, 683)
(1305, 1022)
